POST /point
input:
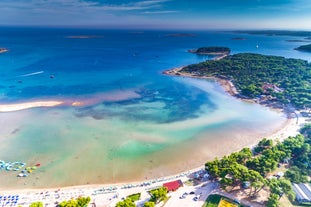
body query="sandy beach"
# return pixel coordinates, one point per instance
(226, 84)
(109, 194)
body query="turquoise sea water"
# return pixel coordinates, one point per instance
(138, 123)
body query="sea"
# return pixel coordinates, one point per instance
(131, 122)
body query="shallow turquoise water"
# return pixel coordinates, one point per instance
(138, 123)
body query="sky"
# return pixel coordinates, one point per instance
(165, 14)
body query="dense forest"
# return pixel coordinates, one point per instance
(211, 50)
(306, 48)
(255, 167)
(272, 78)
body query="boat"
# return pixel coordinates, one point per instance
(22, 175)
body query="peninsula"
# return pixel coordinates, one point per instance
(304, 48)
(270, 80)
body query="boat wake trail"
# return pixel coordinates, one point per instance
(31, 74)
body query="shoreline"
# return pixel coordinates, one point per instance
(226, 84)
(104, 194)
(289, 128)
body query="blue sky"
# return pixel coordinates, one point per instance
(181, 14)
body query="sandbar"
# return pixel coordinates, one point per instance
(74, 101)
(28, 105)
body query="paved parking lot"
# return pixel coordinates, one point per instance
(203, 190)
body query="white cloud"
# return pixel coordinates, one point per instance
(161, 12)
(80, 4)
(74, 11)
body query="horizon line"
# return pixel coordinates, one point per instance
(144, 27)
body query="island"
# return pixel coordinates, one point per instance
(304, 48)
(83, 37)
(274, 81)
(215, 50)
(238, 38)
(3, 50)
(181, 35)
(305, 40)
(277, 32)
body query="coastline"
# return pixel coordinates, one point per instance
(106, 197)
(102, 195)
(226, 84)
(288, 128)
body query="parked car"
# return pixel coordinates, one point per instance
(197, 197)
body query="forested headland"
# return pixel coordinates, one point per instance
(273, 80)
(305, 48)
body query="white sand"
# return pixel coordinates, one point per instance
(28, 105)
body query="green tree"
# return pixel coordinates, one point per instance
(36, 204)
(250, 90)
(226, 182)
(149, 204)
(213, 168)
(257, 182)
(295, 175)
(79, 202)
(83, 201)
(263, 144)
(126, 203)
(242, 156)
(287, 188)
(306, 130)
(158, 195)
(273, 200)
(69, 203)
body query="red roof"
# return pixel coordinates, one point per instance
(172, 186)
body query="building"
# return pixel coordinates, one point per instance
(173, 185)
(303, 192)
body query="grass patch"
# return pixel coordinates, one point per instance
(212, 201)
(285, 202)
(134, 197)
(189, 183)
